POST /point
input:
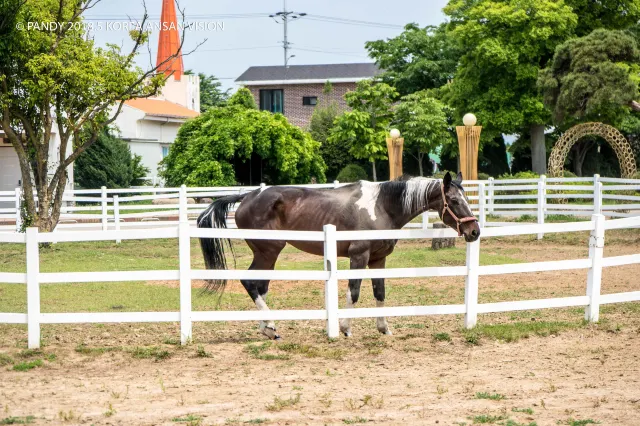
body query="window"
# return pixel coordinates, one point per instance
(272, 100)
(309, 100)
(165, 151)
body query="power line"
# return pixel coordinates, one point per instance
(286, 15)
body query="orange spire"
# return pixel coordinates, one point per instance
(169, 41)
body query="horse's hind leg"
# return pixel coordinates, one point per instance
(359, 257)
(265, 254)
(379, 294)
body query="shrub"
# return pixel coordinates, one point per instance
(351, 173)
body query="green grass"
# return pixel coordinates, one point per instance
(441, 337)
(515, 331)
(150, 352)
(572, 422)
(28, 365)
(491, 396)
(485, 418)
(17, 420)
(280, 404)
(259, 352)
(188, 418)
(528, 411)
(5, 360)
(86, 350)
(354, 420)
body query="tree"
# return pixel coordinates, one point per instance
(592, 78)
(505, 44)
(208, 147)
(422, 120)
(365, 127)
(610, 14)
(417, 59)
(58, 77)
(211, 93)
(108, 162)
(243, 98)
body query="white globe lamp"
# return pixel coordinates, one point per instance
(469, 119)
(394, 133)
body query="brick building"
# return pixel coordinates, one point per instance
(295, 90)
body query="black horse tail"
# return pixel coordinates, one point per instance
(213, 250)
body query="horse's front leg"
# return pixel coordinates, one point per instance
(359, 257)
(379, 294)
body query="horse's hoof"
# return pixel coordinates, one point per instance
(270, 332)
(346, 333)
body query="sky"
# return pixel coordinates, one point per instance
(248, 36)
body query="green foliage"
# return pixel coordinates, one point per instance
(592, 78)
(417, 59)
(208, 146)
(211, 93)
(109, 162)
(423, 121)
(505, 42)
(365, 126)
(352, 173)
(611, 14)
(243, 98)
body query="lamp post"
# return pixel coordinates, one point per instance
(394, 147)
(468, 141)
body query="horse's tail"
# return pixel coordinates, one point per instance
(215, 216)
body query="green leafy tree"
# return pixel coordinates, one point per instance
(108, 162)
(593, 78)
(211, 93)
(366, 125)
(610, 14)
(505, 44)
(423, 121)
(207, 148)
(60, 78)
(417, 59)
(243, 98)
(352, 173)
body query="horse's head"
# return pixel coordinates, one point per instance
(455, 211)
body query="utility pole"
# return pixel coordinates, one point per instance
(284, 17)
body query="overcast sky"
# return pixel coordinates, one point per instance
(250, 37)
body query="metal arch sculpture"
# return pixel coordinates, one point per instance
(609, 133)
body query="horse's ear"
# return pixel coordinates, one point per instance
(459, 177)
(446, 181)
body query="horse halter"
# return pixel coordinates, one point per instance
(446, 208)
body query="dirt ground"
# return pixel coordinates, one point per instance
(135, 374)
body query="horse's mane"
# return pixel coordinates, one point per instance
(413, 191)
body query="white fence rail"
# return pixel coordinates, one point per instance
(490, 200)
(331, 313)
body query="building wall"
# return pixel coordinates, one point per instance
(151, 153)
(298, 114)
(185, 92)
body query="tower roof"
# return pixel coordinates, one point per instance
(169, 41)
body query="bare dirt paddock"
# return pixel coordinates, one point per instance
(524, 368)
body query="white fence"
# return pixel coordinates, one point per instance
(330, 275)
(490, 200)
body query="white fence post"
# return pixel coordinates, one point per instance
(263, 186)
(182, 209)
(594, 276)
(471, 284)
(116, 215)
(482, 215)
(490, 196)
(103, 200)
(542, 201)
(597, 195)
(335, 183)
(33, 289)
(184, 246)
(331, 285)
(425, 220)
(18, 209)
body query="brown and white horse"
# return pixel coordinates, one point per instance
(358, 206)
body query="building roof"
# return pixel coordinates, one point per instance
(161, 108)
(169, 42)
(296, 74)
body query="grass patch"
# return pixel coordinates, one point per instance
(86, 350)
(485, 418)
(190, 418)
(528, 411)
(514, 423)
(17, 420)
(151, 352)
(491, 396)
(5, 360)
(279, 404)
(572, 422)
(312, 351)
(30, 353)
(259, 352)
(201, 353)
(28, 365)
(354, 420)
(255, 421)
(472, 336)
(515, 331)
(441, 337)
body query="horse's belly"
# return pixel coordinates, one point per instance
(313, 247)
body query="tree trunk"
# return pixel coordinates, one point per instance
(373, 166)
(538, 149)
(420, 158)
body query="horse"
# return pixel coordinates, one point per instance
(358, 206)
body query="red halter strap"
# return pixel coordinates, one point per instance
(447, 209)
